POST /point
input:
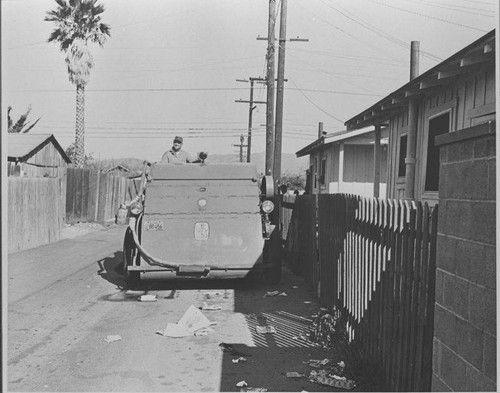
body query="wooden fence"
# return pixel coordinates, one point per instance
(95, 196)
(375, 261)
(35, 206)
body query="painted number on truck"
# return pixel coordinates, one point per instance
(201, 231)
(153, 225)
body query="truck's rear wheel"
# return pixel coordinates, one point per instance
(132, 278)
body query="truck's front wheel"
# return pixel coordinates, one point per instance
(132, 278)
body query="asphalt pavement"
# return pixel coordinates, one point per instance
(68, 303)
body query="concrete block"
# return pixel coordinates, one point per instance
(483, 308)
(492, 179)
(464, 180)
(477, 381)
(443, 154)
(475, 262)
(456, 295)
(436, 356)
(447, 172)
(442, 224)
(458, 217)
(453, 370)
(483, 223)
(460, 151)
(439, 286)
(446, 253)
(484, 147)
(490, 356)
(445, 326)
(474, 220)
(438, 385)
(469, 343)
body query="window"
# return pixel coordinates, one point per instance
(402, 155)
(437, 126)
(322, 172)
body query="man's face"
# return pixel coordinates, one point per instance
(177, 146)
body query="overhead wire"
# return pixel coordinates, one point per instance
(315, 105)
(429, 16)
(379, 32)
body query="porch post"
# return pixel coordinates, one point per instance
(411, 147)
(376, 163)
(341, 168)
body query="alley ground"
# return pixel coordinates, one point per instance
(66, 298)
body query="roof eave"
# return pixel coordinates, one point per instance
(477, 53)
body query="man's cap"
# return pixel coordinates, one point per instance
(178, 139)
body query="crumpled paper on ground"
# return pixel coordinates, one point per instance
(113, 338)
(192, 322)
(324, 378)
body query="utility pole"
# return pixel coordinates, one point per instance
(278, 134)
(251, 107)
(241, 146)
(270, 88)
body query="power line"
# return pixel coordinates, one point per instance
(322, 110)
(458, 8)
(377, 31)
(430, 17)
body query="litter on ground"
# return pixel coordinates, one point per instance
(192, 321)
(147, 298)
(241, 359)
(241, 384)
(271, 294)
(317, 363)
(211, 306)
(335, 381)
(265, 329)
(113, 338)
(294, 374)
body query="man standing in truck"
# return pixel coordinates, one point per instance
(176, 155)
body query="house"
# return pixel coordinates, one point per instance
(343, 162)
(442, 150)
(35, 155)
(456, 94)
(120, 170)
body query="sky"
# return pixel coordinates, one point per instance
(171, 68)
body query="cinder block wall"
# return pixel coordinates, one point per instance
(464, 348)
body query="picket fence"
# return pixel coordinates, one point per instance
(375, 261)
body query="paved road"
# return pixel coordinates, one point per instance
(67, 297)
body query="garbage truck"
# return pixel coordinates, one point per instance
(203, 220)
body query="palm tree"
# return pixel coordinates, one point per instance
(78, 22)
(22, 125)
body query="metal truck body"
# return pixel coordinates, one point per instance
(202, 220)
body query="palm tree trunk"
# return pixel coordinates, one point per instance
(80, 126)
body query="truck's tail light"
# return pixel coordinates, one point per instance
(136, 208)
(267, 207)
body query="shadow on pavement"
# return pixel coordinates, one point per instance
(271, 355)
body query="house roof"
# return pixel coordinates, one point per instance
(480, 52)
(119, 167)
(20, 147)
(362, 136)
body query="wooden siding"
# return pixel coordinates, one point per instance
(95, 196)
(35, 208)
(470, 100)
